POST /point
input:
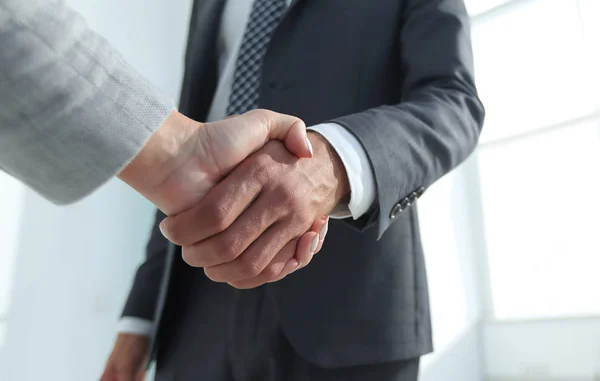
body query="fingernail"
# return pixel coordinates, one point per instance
(323, 232)
(309, 146)
(314, 245)
(163, 230)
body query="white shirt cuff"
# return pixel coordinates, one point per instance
(135, 326)
(358, 168)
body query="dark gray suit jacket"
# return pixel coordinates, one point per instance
(398, 74)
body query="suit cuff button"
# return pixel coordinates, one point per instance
(413, 197)
(396, 210)
(405, 203)
(399, 208)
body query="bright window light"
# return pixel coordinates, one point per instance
(541, 215)
(476, 7)
(533, 67)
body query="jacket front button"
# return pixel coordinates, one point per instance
(420, 192)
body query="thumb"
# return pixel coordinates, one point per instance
(292, 131)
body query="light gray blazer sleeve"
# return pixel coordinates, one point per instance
(73, 113)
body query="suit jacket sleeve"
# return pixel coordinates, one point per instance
(73, 113)
(437, 124)
(146, 289)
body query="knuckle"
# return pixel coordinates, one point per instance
(258, 112)
(250, 269)
(227, 249)
(272, 272)
(261, 117)
(261, 160)
(301, 218)
(265, 116)
(218, 214)
(189, 256)
(284, 196)
(262, 168)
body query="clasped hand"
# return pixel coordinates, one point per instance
(249, 215)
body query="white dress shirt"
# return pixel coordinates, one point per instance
(351, 152)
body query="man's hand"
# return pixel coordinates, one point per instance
(127, 360)
(248, 226)
(184, 159)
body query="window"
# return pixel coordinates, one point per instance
(477, 7)
(539, 157)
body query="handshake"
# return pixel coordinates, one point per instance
(246, 207)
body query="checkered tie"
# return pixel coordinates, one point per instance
(263, 20)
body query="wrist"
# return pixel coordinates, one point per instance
(323, 149)
(155, 171)
(131, 338)
(160, 155)
(131, 345)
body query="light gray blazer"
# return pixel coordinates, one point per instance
(72, 111)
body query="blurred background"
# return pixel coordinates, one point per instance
(511, 238)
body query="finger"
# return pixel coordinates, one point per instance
(323, 234)
(290, 129)
(216, 212)
(256, 258)
(307, 246)
(284, 263)
(291, 266)
(319, 246)
(228, 245)
(297, 142)
(303, 254)
(308, 243)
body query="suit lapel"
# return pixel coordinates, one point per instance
(200, 58)
(294, 3)
(292, 6)
(205, 21)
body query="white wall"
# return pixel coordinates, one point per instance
(73, 266)
(461, 360)
(64, 272)
(11, 201)
(454, 248)
(543, 350)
